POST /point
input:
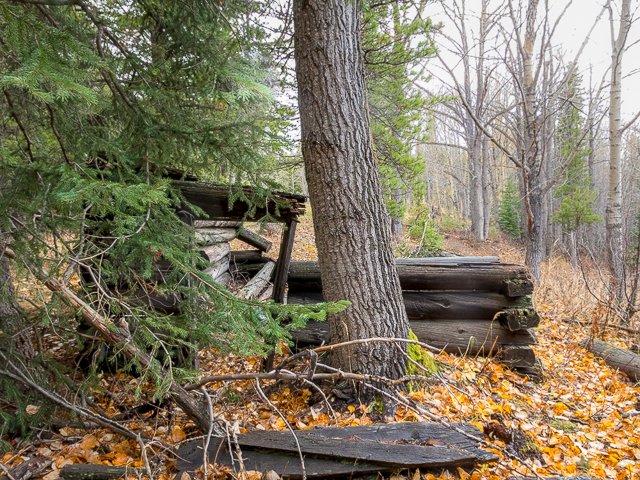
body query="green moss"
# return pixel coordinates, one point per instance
(421, 356)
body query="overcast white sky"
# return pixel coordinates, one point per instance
(569, 36)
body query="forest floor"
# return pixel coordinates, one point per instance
(581, 418)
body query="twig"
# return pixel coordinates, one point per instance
(275, 409)
(6, 470)
(206, 443)
(145, 459)
(326, 400)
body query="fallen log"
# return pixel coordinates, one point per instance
(450, 305)
(254, 239)
(305, 277)
(218, 268)
(97, 472)
(257, 284)
(473, 337)
(619, 358)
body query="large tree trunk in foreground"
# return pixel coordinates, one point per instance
(351, 223)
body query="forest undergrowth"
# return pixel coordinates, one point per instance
(581, 417)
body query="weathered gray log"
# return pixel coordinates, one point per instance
(442, 305)
(214, 236)
(518, 318)
(96, 472)
(257, 284)
(517, 356)
(215, 223)
(305, 276)
(453, 260)
(214, 201)
(224, 279)
(267, 294)
(253, 257)
(218, 268)
(619, 358)
(517, 287)
(254, 239)
(435, 435)
(215, 253)
(474, 337)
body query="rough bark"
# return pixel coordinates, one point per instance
(351, 223)
(11, 315)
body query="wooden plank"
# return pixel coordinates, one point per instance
(190, 455)
(447, 260)
(284, 262)
(254, 239)
(453, 336)
(215, 223)
(619, 358)
(305, 276)
(457, 305)
(190, 458)
(257, 284)
(388, 454)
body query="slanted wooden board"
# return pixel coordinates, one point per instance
(443, 305)
(254, 239)
(190, 456)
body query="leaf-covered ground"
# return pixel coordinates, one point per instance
(582, 417)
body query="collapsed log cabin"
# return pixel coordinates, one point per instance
(462, 305)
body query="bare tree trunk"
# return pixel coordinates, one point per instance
(396, 222)
(350, 220)
(613, 216)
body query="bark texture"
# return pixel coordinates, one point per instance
(613, 216)
(351, 223)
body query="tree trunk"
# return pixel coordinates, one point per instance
(11, 316)
(351, 223)
(396, 222)
(615, 252)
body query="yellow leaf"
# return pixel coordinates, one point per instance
(178, 435)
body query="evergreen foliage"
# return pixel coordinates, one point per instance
(97, 103)
(509, 211)
(577, 198)
(395, 41)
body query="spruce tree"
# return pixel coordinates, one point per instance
(97, 103)
(509, 210)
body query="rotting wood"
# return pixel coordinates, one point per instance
(97, 472)
(257, 284)
(517, 287)
(214, 201)
(619, 358)
(435, 435)
(515, 319)
(305, 276)
(254, 239)
(517, 356)
(30, 468)
(458, 305)
(453, 336)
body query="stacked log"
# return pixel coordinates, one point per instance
(461, 305)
